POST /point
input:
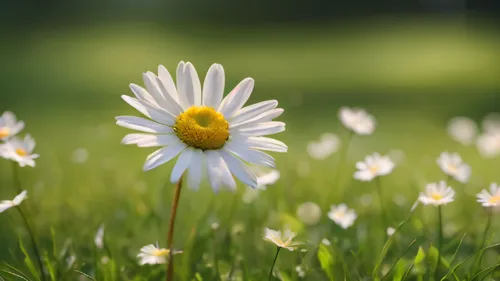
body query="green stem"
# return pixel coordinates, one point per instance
(342, 160)
(274, 262)
(36, 247)
(440, 241)
(15, 177)
(381, 204)
(216, 260)
(170, 234)
(479, 258)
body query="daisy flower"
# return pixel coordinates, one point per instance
(99, 237)
(452, 165)
(357, 120)
(20, 151)
(9, 126)
(373, 166)
(491, 198)
(463, 130)
(437, 194)
(326, 145)
(342, 215)
(207, 132)
(282, 240)
(7, 204)
(152, 254)
(309, 213)
(488, 144)
(390, 231)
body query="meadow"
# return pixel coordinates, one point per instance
(65, 83)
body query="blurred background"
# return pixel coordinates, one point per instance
(413, 64)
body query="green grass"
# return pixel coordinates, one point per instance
(66, 82)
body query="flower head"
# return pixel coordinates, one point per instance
(309, 213)
(488, 144)
(373, 166)
(9, 126)
(390, 231)
(357, 120)
(282, 240)
(452, 165)
(437, 194)
(342, 215)
(491, 198)
(326, 145)
(462, 130)
(20, 151)
(7, 204)
(152, 254)
(207, 132)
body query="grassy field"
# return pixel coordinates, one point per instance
(66, 82)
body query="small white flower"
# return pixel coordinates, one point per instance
(300, 271)
(9, 126)
(214, 226)
(151, 254)
(452, 165)
(265, 177)
(282, 240)
(20, 151)
(437, 194)
(373, 166)
(391, 231)
(489, 199)
(357, 120)
(7, 204)
(309, 213)
(342, 215)
(326, 145)
(99, 237)
(326, 242)
(463, 130)
(488, 144)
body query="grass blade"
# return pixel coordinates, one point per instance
(84, 275)
(399, 257)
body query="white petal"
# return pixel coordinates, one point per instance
(252, 111)
(149, 79)
(147, 140)
(157, 114)
(264, 143)
(195, 170)
(171, 104)
(264, 117)
(261, 129)
(218, 172)
(236, 98)
(188, 84)
(163, 155)
(20, 198)
(240, 170)
(250, 155)
(167, 81)
(181, 165)
(4, 205)
(144, 125)
(213, 87)
(142, 94)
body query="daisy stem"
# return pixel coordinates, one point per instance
(381, 203)
(479, 258)
(170, 235)
(33, 241)
(274, 262)
(15, 177)
(440, 241)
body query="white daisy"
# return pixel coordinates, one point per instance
(20, 151)
(452, 165)
(265, 176)
(390, 231)
(326, 242)
(463, 130)
(342, 215)
(326, 145)
(7, 204)
(99, 237)
(373, 166)
(488, 144)
(309, 213)
(9, 126)
(207, 132)
(152, 254)
(282, 240)
(489, 199)
(357, 120)
(437, 194)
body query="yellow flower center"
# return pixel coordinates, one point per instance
(374, 169)
(436, 196)
(494, 200)
(452, 168)
(202, 127)
(21, 152)
(4, 132)
(161, 252)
